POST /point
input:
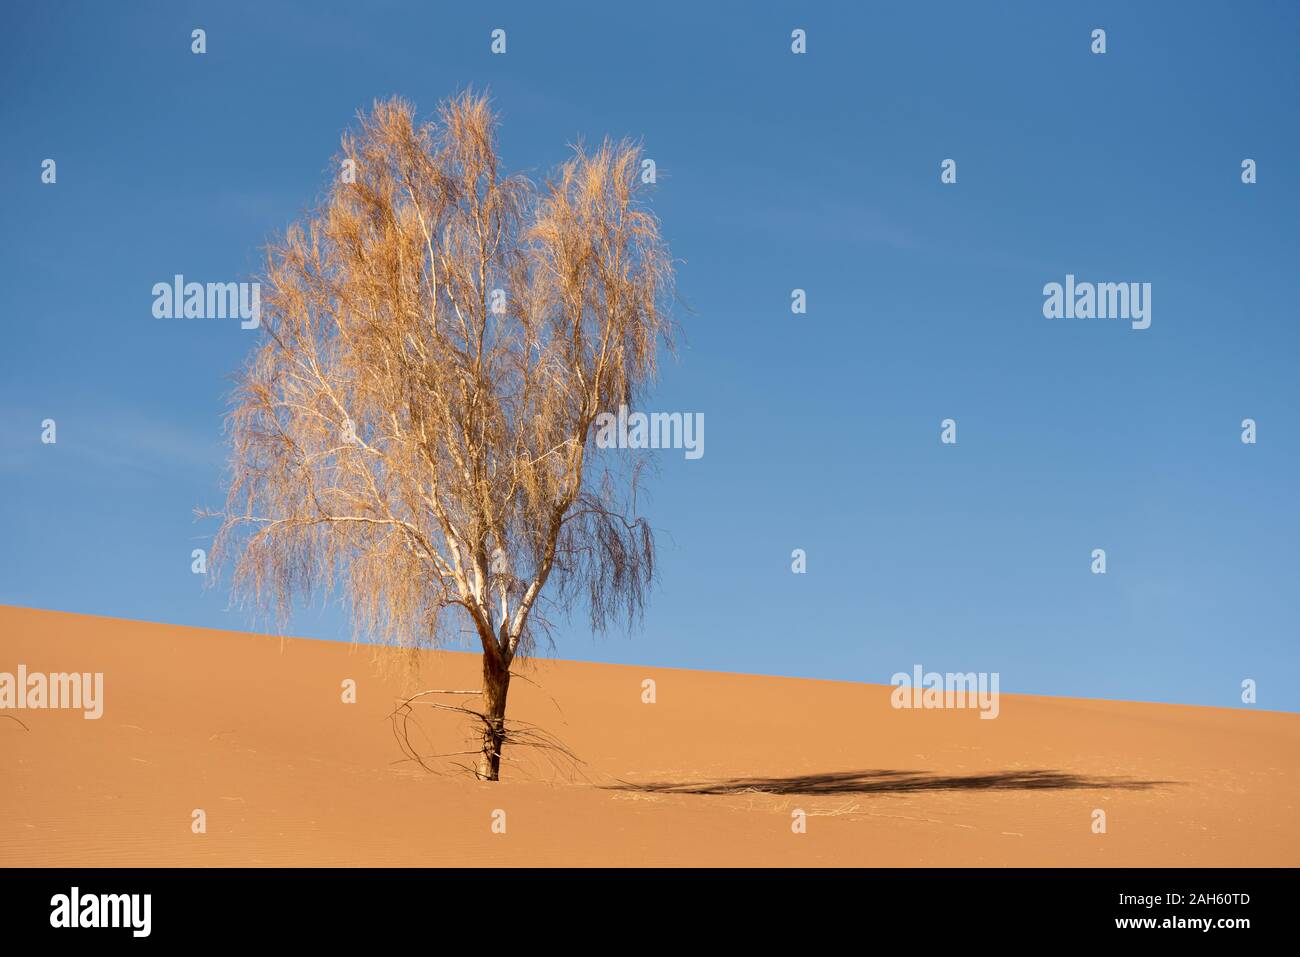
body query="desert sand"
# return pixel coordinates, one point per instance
(252, 730)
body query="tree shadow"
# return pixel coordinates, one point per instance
(889, 782)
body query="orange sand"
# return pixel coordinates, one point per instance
(253, 731)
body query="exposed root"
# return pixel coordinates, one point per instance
(515, 734)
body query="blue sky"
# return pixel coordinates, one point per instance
(777, 172)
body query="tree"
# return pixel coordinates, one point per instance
(416, 427)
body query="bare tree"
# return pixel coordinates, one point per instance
(417, 426)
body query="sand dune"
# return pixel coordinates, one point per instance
(253, 731)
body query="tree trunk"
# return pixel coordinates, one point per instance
(496, 684)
